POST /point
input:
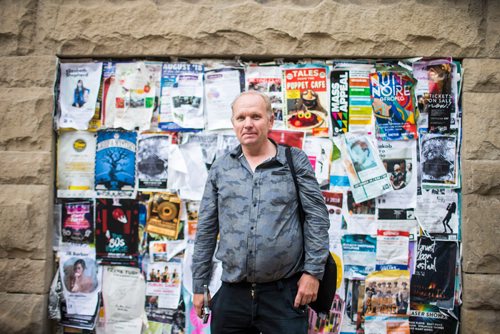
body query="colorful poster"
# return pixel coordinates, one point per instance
(78, 87)
(164, 215)
(117, 230)
(392, 91)
(152, 161)
(135, 95)
(181, 106)
(339, 100)
(358, 255)
(438, 212)
(288, 137)
(329, 324)
(399, 159)
(431, 319)
(387, 293)
(164, 281)
(76, 152)
(386, 325)
(267, 79)
(222, 86)
(434, 279)
(306, 97)
(439, 161)
(115, 163)
(77, 221)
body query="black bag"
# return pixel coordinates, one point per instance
(328, 284)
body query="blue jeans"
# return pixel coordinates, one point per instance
(267, 308)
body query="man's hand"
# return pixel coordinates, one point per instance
(308, 290)
(198, 303)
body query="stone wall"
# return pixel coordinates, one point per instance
(33, 33)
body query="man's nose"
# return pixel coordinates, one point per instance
(248, 122)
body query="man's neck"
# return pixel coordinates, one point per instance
(259, 151)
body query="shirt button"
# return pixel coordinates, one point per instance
(251, 228)
(256, 183)
(254, 205)
(250, 252)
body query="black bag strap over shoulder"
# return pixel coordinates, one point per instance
(288, 153)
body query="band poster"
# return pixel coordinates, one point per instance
(164, 281)
(439, 161)
(152, 161)
(267, 79)
(78, 88)
(115, 163)
(77, 221)
(438, 212)
(76, 152)
(306, 98)
(431, 319)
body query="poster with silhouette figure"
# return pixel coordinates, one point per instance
(434, 279)
(115, 164)
(438, 212)
(117, 231)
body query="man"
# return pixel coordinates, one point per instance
(250, 198)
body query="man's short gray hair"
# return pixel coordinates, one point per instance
(264, 97)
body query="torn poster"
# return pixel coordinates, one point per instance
(115, 163)
(78, 88)
(208, 143)
(76, 152)
(361, 217)
(358, 255)
(152, 161)
(77, 221)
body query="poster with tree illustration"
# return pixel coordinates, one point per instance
(115, 164)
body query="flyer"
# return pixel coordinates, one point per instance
(319, 152)
(387, 293)
(109, 89)
(361, 217)
(398, 220)
(267, 80)
(386, 325)
(367, 174)
(80, 279)
(353, 318)
(222, 86)
(115, 163)
(392, 250)
(78, 87)
(181, 106)
(152, 161)
(339, 181)
(392, 91)
(123, 296)
(76, 152)
(329, 324)
(77, 221)
(438, 212)
(434, 279)
(135, 95)
(306, 97)
(164, 215)
(399, 159)
(192, 210)
(208, 143)
(117, 230)
(358, 255)
(334, 203)
(439, 161)
(226, 142)
(432, 319)
(164, 280)
(288, 137)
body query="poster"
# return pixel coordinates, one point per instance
(319, 152)
(392, 91)
(329, 324)
(152, 161)
(432, 319)
(77, 221)
(398, 220)
(78, 88)
(115, 163)
(192, 211)
(367, 174)
(392, 250)
(181, 106)
(208, 143)
(386, 325)
(267, 80)
(164, 281)
(358, 255)
(109, 90)
(135, 95)
(123, 296)
(288, 137)
(164, 215)
(334, 203)
(400, 160)
(306, 97)
(387, 292)
(226, 142)
(80, 279)
(439, 161)
(434, 279)
(76, 152)
(438, 212)
(222, 86)
(117, 230)
(360, 217)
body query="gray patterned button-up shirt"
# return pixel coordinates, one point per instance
(257, 216)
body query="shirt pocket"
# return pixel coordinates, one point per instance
(279, 188)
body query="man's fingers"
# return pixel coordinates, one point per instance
(298, 299)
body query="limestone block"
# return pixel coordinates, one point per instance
(493, 29)
(482, 75)
(479, 321)
(481, 124)
(481, 177)
(25, 275)
(17, 26)
(261, 28)
(23, 313)
(22, 72)
(26, 119)
(26, 221)
(26, 168)
(481, 291)
(480, 234)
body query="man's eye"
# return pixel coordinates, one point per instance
(256, 117)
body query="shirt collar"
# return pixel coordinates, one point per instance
(280, 152)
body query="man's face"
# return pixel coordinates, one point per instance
(251, 122)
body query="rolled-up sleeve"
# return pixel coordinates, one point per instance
(317, 223)
(206, 234)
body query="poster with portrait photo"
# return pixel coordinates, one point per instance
(80, 278)
(152, 161)
(400, 161)
(78, 87)
(438, 212)
(267, 80)
(387, 293)
(163, 279)
(439, 161)
(77, 221)
(117, 231)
